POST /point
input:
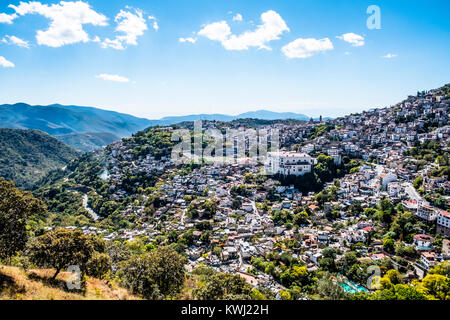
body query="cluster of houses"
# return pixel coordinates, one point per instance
(242, 228)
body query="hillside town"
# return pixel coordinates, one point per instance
(237, 217)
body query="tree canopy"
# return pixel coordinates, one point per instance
(15, 208)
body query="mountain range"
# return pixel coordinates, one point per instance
(88, 128)
(80, 127)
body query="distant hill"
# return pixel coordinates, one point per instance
(60, 121)
(27, 155)
(87, 141)
(87, 128)
(167, 121)
(270, 115)
(261, 115)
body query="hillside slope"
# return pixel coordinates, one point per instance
(27, 155)
(58, 120)
(17, 284)
(87, 141)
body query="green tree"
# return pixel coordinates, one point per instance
(398, 292)
(404, 226)
(99, 265)
(62, 248)
(173, 236)
(329, 289)
(442, 268)
(206, 237)
(249, 178)
(298, 276)
(222, 286)
(327, 264)
(418, 182)
(285, 295)
(403, 250)
(117, 252)
(282, 217)
(155, 274)
(301, 218)
(348, 261)
(389, 245)
(436, 286)
(15, 208)
(392, 277)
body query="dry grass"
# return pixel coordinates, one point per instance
(189, 285)
(17, 284)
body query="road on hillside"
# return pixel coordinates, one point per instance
(183, 216)
(88, 209)
(412, 192)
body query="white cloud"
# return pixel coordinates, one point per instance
(115, 44)
(305, 48)
(15, 41)
(7, 18)
(155, 22)
(5, 63)
(131, 25)
(238, 17)
(67, 20)
(271, 28)
(190, 39)
(390, 56)
(112, 77)
(216, 31)
(354, 39)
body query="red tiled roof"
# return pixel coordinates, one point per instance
(423, 237)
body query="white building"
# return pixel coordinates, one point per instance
(387, 178)
(308, 148)
(426, 212)
(314, 257)
(335, 153)
(443, 223)
(247, 251)
(394, 189)
(247, 207)
(428, 259)
(289, 163)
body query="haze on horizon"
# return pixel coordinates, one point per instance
(170, 58)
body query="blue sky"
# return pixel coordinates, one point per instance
(312, 57)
